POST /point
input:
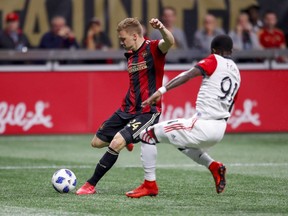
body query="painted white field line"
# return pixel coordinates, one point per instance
(231, 165)
(23, 211)
(45, 167)
(139, 166)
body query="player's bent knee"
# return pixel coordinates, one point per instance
(118, 143)
(97, 143)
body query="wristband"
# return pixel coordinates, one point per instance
(162, 90)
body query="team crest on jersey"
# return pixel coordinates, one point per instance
(144, 54)
(134, 67)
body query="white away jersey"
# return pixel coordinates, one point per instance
(220, 84)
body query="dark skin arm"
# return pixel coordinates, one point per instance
(175, 82)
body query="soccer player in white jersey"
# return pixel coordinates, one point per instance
(193, 136)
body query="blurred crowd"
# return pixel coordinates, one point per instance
(251, 32)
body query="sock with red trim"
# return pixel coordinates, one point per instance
(198, 156)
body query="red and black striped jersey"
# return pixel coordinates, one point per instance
(146, 70)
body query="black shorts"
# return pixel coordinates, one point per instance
(128, 127)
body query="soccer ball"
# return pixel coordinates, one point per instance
(64, 180)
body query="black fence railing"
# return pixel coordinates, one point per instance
(70, 60)
(172, 56)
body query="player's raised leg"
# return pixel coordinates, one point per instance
(205, 134)
(182, 133)
(217, 169)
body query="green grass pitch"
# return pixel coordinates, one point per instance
(257, 178)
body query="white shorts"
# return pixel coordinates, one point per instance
(192, 133)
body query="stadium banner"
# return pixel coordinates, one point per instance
(35, 15)
(78, 102)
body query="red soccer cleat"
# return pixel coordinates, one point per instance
(86, 189)
(148, 188)
(130, 147)
(218, 171)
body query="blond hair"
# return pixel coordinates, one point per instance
(130, 25)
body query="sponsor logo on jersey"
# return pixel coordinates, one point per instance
(18, 115)
(134, 67)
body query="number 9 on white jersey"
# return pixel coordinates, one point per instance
(221, 81)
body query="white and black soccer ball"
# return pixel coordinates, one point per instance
(64, 180)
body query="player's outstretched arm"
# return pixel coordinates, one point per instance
(182, 78)
(175, 82)
(168, 39)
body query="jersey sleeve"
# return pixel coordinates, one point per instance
(207, 65)
(155, 49)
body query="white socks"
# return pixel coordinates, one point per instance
(148, 158)
(198, 156)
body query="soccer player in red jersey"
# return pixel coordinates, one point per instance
(146, 61)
